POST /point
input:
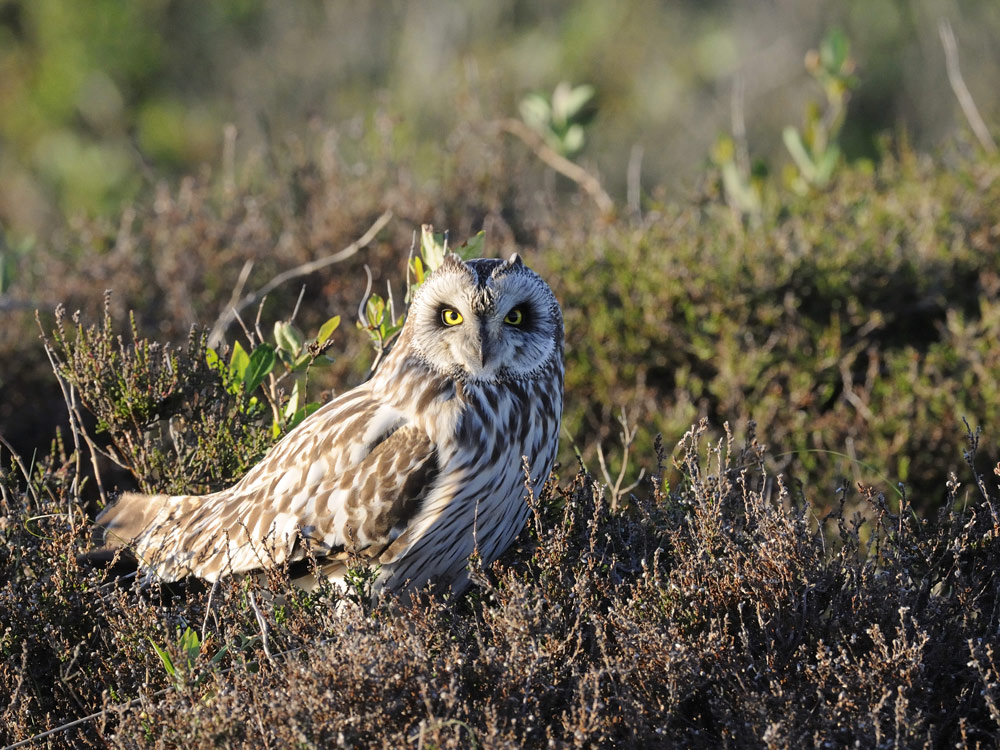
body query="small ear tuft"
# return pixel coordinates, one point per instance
(512, 263)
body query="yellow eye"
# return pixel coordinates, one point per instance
(451, 317)
(515, 317)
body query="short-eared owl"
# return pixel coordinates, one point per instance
(413, 470)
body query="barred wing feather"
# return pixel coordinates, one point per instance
(348, 479)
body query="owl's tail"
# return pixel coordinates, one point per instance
(128, 518)
(173, 537)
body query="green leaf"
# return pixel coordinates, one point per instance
(168, 663)
(827, 163)
(326, 330)
(433, 246)
(260, 364)
(418, 271)
(793, 142)
(238, 362)
(288, 337)
(293, 401)
(577, 100)
(375, 311)
(472, 247)
(190, 644)
(302, 413)
(833, 51)
(219, 655)
(212, 358)
(536, 112)
(573, 140)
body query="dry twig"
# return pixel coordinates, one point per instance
(962, 92)
(590, 184)
(228, 315)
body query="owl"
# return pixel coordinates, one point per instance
(412, 471)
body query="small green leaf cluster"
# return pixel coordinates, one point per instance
(180, 659)
(185, 419)
(560, 119)
(814, 149)
(245, 374)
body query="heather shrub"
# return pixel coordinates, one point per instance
(855, 327)
(714, 611)
(836, 585)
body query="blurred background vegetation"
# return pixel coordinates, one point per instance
(779, 213)
(102, 99)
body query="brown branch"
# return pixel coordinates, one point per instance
(227, 317)
(590, 184)
(965, 99)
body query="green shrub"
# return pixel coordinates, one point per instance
(855, 327)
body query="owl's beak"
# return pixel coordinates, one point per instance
(487, 347)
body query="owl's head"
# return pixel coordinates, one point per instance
(486, 320)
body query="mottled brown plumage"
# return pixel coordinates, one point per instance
(413, 470)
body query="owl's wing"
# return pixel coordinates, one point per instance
(350, 478)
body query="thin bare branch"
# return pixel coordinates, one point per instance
(588, 182)
(241, 282)
(262, 623)
(962, 92)
(77, 429)
(627, 436)
(362, 318)
(227, 317)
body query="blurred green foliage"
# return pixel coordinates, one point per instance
(814, 149)
(855, 327)
(96, 92)
(560, 119)
(102, 99)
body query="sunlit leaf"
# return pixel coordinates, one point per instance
(238, 362)
(833, 51)
(260, 364)
(301, 414)
(326, 330)
(293, 401)
(536, 112)
(433, 246)
(577, 100)
(793, 142)
(472, 247)
(212, 358)
(288, 337)
(168, 663)
(190, 644)
(375, 311)
(573, 140)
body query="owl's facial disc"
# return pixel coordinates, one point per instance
(486, 320)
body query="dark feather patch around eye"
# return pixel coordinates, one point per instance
(521, 316)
